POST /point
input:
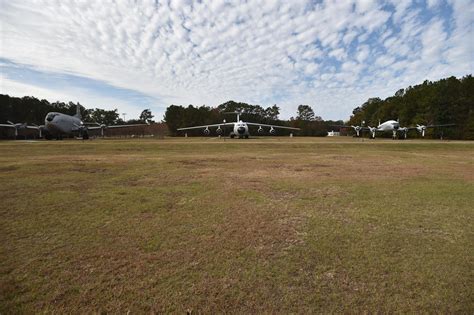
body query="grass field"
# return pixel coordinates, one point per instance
(271, 225)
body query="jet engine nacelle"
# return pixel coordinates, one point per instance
(260, 129)
(219, 130)
(272, 130)
(206, 131)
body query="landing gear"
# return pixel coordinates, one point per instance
(246, 136)
(232, 136)
(394, 135)
(85, 136)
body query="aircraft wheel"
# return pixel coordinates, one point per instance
(246, 136)
(232, 136)
(85, 136)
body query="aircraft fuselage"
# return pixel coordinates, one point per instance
(241, 129)
(389, 125)
(58, 124)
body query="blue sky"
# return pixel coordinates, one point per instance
(131, 55)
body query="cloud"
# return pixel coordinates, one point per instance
(332, 55)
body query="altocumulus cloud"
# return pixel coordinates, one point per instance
(332, 55)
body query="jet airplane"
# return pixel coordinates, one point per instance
(239, 128)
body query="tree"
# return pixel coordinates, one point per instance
(146, 115)
(106, 117)
(271, 113)
(305, 112)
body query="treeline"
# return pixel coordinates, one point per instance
(447, 101)
(31, 110)
(177, 116)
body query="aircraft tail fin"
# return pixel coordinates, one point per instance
(236, 112)
(78, 111)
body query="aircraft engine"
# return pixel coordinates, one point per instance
(372, 132)
(272, 131)
(404, 132)
(206, 131)
(102, 128)
(219, 130)
(357, 130)
(18, 126)
(41, 129)
(260, 129)
(421, 129)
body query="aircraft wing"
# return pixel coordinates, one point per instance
(429, 126)
(445, 125)
(20, 126)
(273, 126)
(206, 126)
(345, 126)
(116, 126)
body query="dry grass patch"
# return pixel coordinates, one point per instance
(268, 225)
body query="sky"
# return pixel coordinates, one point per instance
(132, 55)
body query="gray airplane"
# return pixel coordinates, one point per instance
(56, 125)
(240, 128)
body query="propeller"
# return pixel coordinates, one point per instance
(372, 131)
(357, 130)
(219, 130)
(102, 128)
(404, 131)
(40, 128)
(17, 126)
(82, 130)
(206, 131)
(260, 129)
(272, 130)
(421, 129)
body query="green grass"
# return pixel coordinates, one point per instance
(272, 225)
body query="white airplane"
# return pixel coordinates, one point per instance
(240, 128)
(394, 127)
(59, 124)
(387, 126)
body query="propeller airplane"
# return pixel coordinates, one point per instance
(394, 127)
(59, 124)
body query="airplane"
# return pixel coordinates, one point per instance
(59, 124)
(394, 127)
(240, 128)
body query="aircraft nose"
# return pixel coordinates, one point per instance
(241, 130)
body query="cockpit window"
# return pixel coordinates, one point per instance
(50, 117)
